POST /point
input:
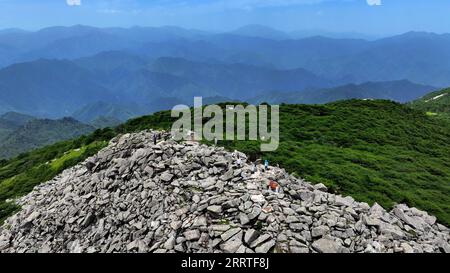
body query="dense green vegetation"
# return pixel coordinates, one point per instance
(435, 104)
(372, 150)
(41, 132)
(375, 151)
(20, 175)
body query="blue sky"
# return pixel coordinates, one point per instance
(376, 17)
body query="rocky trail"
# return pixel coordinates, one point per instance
(134, 196)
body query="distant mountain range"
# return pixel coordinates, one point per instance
(116, 73)
(260, 31)
(58, 88)
(48, 88)
(417, 56)
(400, 91)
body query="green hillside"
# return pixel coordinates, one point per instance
(372, 150)
(41, 132)
(435, 104)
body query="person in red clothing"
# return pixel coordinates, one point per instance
(274, 186)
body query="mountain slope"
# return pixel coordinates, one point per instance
(376, 151)
(11, 121)
(239, 81)
(373, 150)
(41, 132)
(6, 127)
(18, 119)
(104, 122)
(435, 103)
(112, 202)
(91, 111)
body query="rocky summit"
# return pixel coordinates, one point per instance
(135, 196)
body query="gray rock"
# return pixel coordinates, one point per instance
(166, 177)
(261, 239)
(231, 246)
(407, 248)
(228, 175)
(4, 244)
(265, 247)
(326, 245)
(320, 231)
(170, 243)
(346, 202)
(200, 222)
(292, 219)
(258, 198)
(256, 211)
(289, 211)
(220, 228)
(214, 209)
(370, 221)
(243, 218)
(250, 236)
(415, 222)
(89, 219)
(196, 198)
(179, 248)
(299, 249)
(321, 187)
(192, 235)
(230, 233)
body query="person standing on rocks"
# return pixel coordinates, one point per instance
(154, 139)
(274, 186)
(239, 162)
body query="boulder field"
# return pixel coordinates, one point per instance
(134, 196)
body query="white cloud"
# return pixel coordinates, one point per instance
(374, 2)
(73, 2)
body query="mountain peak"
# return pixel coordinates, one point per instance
(181, 189)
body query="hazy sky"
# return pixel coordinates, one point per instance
(377, 17)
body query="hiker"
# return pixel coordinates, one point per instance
(154, 139)
(239, 162)
(274, 186)
(266, 164)
(192, 135)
